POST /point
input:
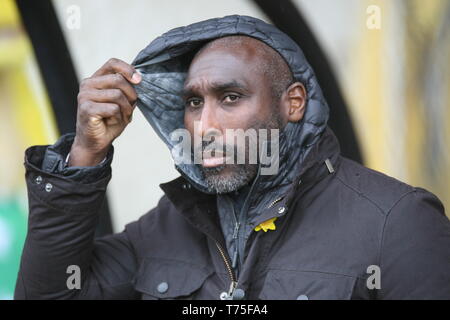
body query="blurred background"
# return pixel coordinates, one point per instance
(383, 65)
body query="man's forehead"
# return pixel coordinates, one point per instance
(222, 64)
(234, 43)
(226, 57)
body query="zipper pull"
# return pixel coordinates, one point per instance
(233, 286)
(236, 230)
(229, 295)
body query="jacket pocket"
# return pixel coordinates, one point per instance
(306, 285)
(169, 279)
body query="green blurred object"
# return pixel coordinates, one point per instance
(13, 223)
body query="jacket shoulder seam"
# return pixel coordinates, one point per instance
(361, 195)
(365, 196)
(400, 199)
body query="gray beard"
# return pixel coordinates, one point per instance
(239, 176)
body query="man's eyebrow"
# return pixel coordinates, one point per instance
(216, 87)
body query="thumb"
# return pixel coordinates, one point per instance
(136, 77)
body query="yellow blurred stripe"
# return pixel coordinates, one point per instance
(30, 107)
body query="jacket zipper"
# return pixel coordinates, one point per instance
(226, 260)
(242, 220)
(237, 225)
(238, 221)
(233, 279)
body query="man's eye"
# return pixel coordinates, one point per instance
(193, 103)
(231, 98)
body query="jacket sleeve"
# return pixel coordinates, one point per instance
(415, 250)
(60, 245)
(54, 161)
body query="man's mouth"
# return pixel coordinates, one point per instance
(209, 161)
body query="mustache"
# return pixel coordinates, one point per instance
(214, 147)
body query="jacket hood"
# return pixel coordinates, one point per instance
(164, 64)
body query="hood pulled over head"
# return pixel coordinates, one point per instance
(164, 64)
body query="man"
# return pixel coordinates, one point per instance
(320, 227)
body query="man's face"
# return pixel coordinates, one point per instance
(227, 89)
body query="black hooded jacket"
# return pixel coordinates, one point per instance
(336, 221)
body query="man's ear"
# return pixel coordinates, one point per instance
(294, 102)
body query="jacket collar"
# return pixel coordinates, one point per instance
(322, 160)
(200, 208)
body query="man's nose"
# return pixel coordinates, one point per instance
(209, 124)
